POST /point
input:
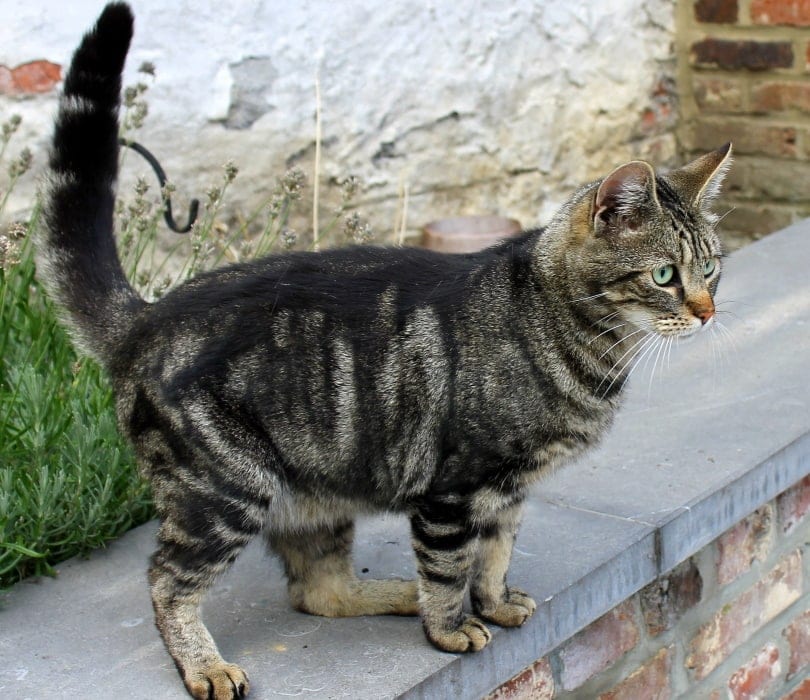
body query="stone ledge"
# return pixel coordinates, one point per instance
(696, 449)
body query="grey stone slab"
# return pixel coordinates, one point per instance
(90, 632)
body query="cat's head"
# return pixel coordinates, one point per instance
(652, 247)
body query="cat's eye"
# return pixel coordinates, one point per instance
(709, 267)
(663, 275)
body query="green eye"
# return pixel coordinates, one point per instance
(663, 275)
(708, 266)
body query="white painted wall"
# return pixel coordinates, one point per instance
(547, 94)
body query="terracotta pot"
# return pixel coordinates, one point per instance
(467, 234)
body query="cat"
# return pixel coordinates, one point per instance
(290, 394)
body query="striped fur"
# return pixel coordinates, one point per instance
(288, 395)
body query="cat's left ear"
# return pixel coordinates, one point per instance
(624, 199)
(699, 182)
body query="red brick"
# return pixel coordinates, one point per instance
(717, 11)
(736, 55)
(748, 138)
(29, 78)
(792, 12)
(661, 116)
(648, 682)
(798, 636)
(746, 542)
(599, 645)
(718, 94)
(780, 96)
(802, 692)
(665, 600)
(534, 683)
(793, 505)
(740, 618)
(750, 681)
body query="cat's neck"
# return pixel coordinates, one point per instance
(563, 309)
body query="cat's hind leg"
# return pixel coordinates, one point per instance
(199, 538)
(321, 579)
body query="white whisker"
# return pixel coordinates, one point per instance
(670, 343)
(646, 351)
(661, 345)
(644, 342)
(605, 319)
(593, 296)
(621, 325)
(618, 342)
(727, 335)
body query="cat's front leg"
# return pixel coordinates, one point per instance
(445, 543)
(491, 598)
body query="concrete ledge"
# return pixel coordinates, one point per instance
(701, 444)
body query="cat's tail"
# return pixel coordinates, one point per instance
(76, 253)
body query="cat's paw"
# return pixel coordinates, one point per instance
(217, 682)
(515, 608)
(470, 635)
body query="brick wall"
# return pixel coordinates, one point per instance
(733, 622)
(744, 76)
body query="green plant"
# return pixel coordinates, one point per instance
(68, 482)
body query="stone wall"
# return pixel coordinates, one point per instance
(744, 77)
(733, 621)
(470, 107)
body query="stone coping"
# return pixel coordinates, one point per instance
(718, 430)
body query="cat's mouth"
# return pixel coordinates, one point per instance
(681, 327)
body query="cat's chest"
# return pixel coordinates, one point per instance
(535, 410)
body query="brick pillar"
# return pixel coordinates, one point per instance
(744, 76)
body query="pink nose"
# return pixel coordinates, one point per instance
(702, 306)
(704, 314)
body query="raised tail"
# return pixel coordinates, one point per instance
(76, 254)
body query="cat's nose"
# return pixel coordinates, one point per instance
(705, 315)
(702, 307)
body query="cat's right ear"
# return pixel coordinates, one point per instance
(699, 181)
(624, 198)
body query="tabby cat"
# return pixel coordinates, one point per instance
(287, 395)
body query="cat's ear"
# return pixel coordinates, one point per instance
(625, 198)
(699, 182)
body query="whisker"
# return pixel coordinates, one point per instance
(713, 347)
(670, 343)
(725, 312)
(621, 325)
(618, 342)
(593, 296)
(737, 301)
(661, 345)
(646, 350)
(727, 335)
(604, 319)
(644, 343)
(717, 223)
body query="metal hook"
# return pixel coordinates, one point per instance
(194, 206)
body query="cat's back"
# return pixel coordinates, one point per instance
(299, 302)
